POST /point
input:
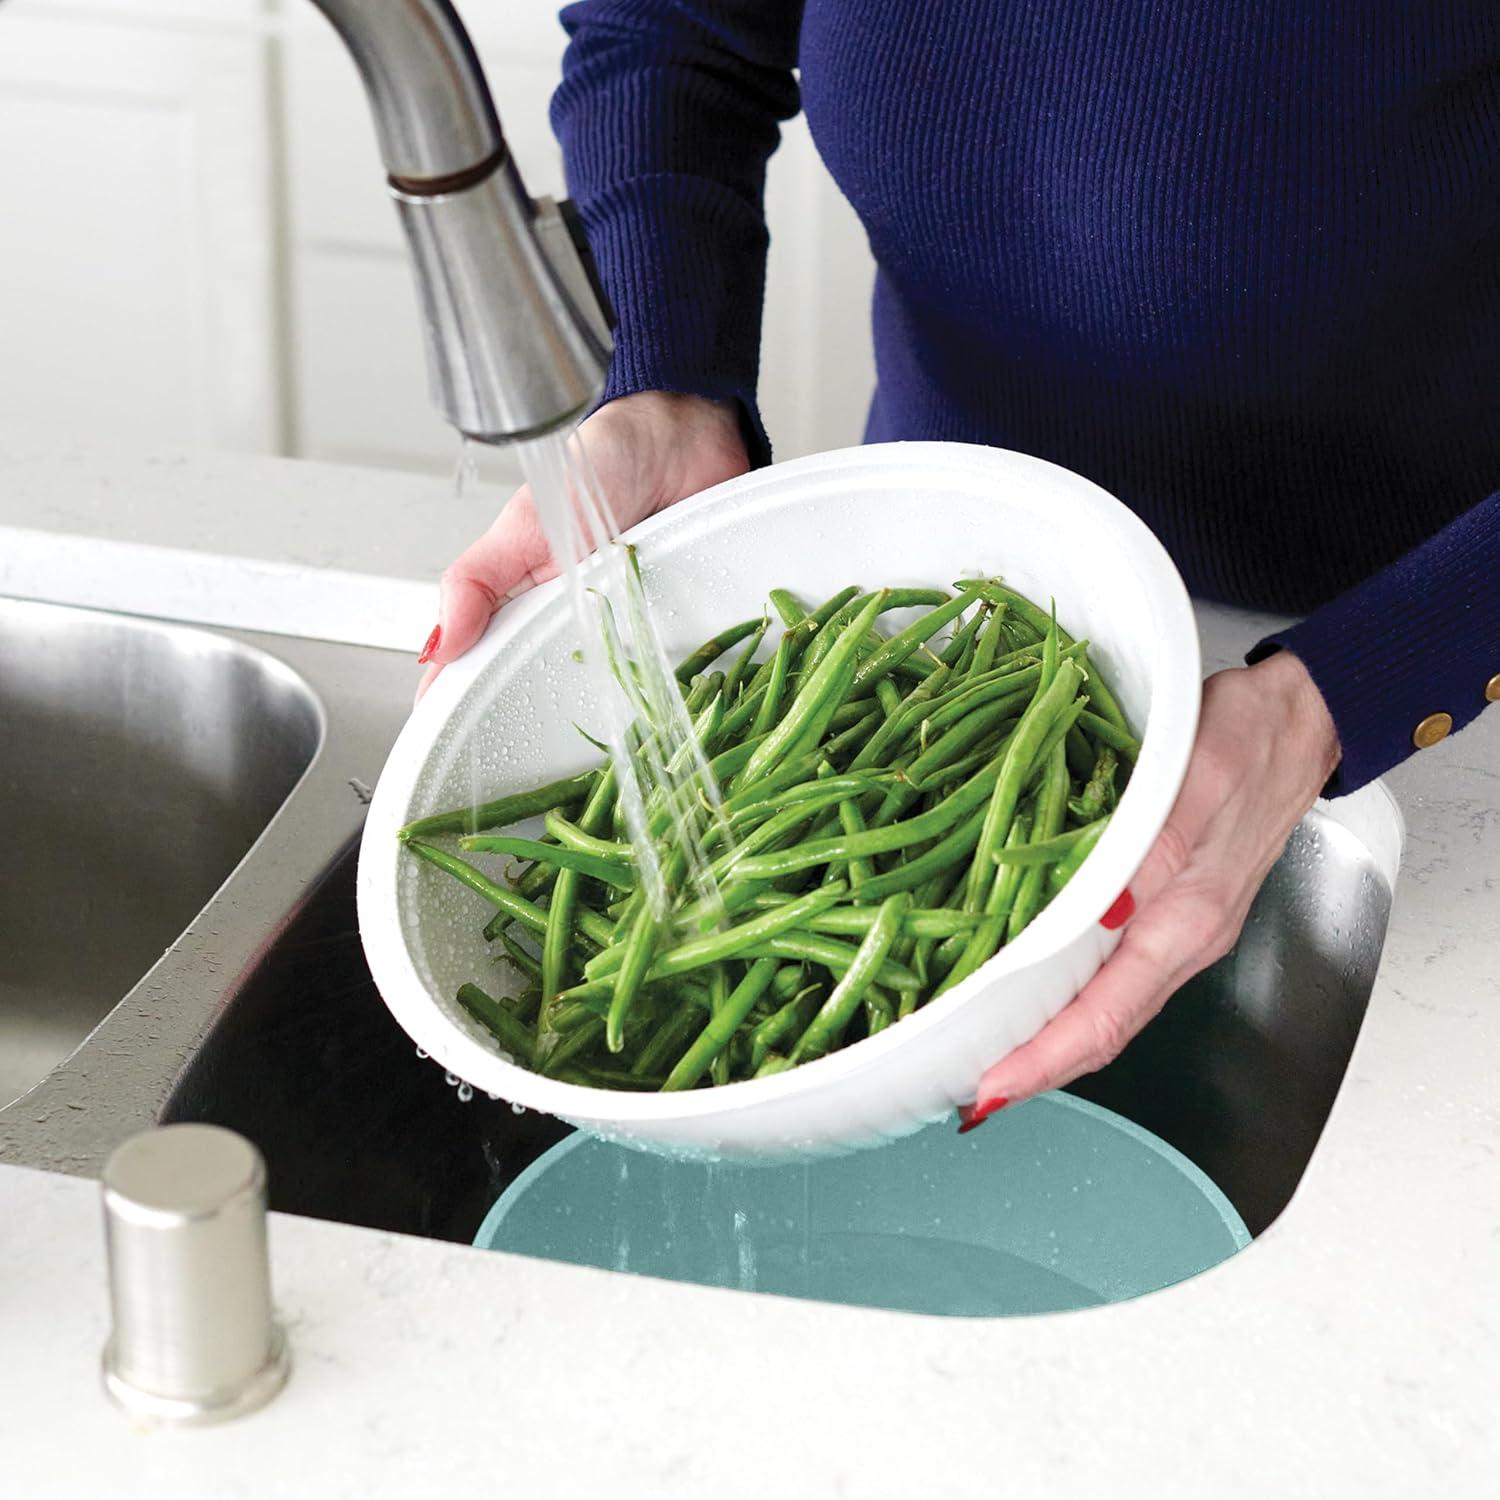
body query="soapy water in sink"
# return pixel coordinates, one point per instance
(632, 676)
(1056, 1205)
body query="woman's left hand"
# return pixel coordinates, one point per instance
(1266, 745)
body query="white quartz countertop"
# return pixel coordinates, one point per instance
(1353, 1349)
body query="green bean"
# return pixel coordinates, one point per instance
(514, 1037)
(1107, 733)
(572, 836)
(874, 841)
(745, 660)
(941, 856)
(860, 868)
(1022, 608)
(525, 962)
(1092, 801)
(958, 653)
(855, 921)
(815, 700)
(786, 605)
(854, 736)
(564, 1049)
(669, 1038)
(1051, 809)
(892, 732)
(816, 793)
(829, 953)
(833, 1016)
(991, 636)
(713, 648)
(1014, 770)
(830, 607)
(770, 704)
(591, 1077)
(891, 599)
(987, 937)
(879, 1012)
(557, 940)
(904, 642)
(635, 955)
(717, 946)
(610, 871)
(516, 908)
(1081, 759)
(1050, 647)
(722, 1025)
(524, 1007)
(536, 881)
(1056, 735)
(504, 810)
(1067, 867)
(1048, 851)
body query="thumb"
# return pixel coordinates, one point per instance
(510, 558)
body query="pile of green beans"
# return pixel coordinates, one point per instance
(896, 808)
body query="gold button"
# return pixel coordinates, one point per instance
(1492, 689)
(1433, 728)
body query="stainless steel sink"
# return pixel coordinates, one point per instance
(262, 1015)
(1239, 1072)
(138, 762)
(169, 796)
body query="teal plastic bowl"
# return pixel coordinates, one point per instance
(1055, 1204)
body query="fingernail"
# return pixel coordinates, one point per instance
(431, 646)
(1120, 913)
(974, 1115)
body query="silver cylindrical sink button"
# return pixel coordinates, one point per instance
(194, 1337)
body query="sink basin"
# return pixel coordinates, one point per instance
(170, 795)
(1239, 1072)
(240, 995)
(138, 763)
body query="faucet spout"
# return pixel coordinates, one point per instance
(516, 335)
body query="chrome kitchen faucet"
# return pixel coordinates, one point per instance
(517, 339)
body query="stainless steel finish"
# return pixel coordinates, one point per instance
(193, 1338)
(433, 111)
(138, 763)
(516, 343)
(1239, 1072)
(262, 1017)
(510, 354)
(325, 712)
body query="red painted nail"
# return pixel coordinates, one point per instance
(1120, 913)
(974, 1115)
(431, 646)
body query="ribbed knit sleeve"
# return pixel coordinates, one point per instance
(667, 113)
(1420, 637)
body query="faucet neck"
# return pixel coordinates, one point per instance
(433, 112)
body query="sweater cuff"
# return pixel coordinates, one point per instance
(682, 262)
(1419, 638)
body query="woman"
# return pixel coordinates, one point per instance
(1240, 264)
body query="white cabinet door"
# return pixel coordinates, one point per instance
(359, 379)
(138, 294)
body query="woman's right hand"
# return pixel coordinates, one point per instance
(649, 450)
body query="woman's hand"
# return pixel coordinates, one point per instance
(649, 450)
(1266, 745)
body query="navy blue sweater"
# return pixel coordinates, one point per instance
(1239, 263)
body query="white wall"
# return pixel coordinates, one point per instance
(197, 246)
